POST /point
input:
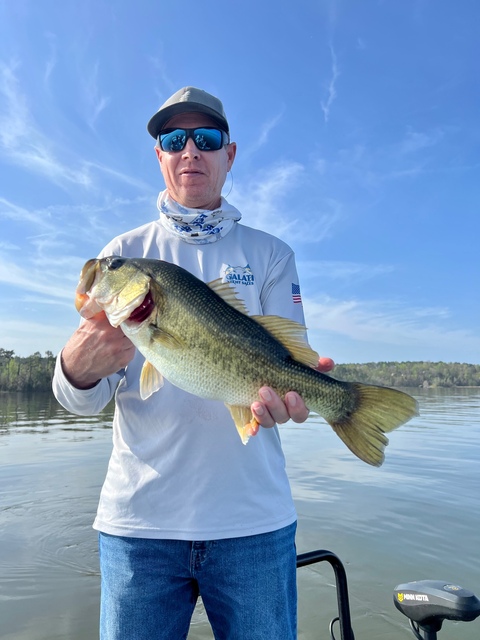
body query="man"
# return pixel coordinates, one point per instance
(186, 509)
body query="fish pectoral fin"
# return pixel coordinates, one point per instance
(151, 380)
(243, 419)
(228, 293)
(164, 338)
(293, 337)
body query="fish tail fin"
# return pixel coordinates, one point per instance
(376, 411)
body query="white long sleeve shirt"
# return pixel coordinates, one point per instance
(178, 469)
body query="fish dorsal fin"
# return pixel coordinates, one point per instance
(242, 417)
(228, 293)
(292, 335)
(151, 380)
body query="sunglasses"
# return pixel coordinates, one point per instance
(205, 139)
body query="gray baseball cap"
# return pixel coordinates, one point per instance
(187, 100)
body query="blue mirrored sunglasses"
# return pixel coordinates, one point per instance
(205, 139)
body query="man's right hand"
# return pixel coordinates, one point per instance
(95, 351)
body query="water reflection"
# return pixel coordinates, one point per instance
(41, 412)
(416, 517)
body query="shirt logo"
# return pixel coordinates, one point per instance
(239, 275)
(296, 297)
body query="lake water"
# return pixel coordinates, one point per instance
(417, 517)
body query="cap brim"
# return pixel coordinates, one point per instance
(158, 121)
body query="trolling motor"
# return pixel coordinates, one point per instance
(427, 603)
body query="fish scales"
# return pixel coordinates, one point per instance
(200, 338)
(247, 354)
(212, 358)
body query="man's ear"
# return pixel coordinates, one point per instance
(231, 153)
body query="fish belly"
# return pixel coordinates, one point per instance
(209, 378)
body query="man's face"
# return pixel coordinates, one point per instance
(195, 178)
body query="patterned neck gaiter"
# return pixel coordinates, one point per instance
(196, 226)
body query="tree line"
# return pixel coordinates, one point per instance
(412, 374)
(34, 373)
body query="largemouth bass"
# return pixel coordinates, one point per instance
(201, 338)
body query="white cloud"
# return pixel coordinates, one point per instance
(332, 89)
(259, 199)
(372, 167)
(264, 134)
(52, 60)
(388, 323)
(262, 200)
(160, 73)
(22, 142)
(124, 178)
(337, 270)
(51, 232)
(8, 246)
(265, 202)
(418, 140)
(13, 211)
(95, 102)
(34, 280)
(15, 112)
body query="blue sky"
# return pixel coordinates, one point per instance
(358, 134)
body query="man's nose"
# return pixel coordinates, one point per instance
(190, 150)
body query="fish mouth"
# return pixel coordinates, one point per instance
(143, 311)
(87, 279)
(87, 276)
(89, 301)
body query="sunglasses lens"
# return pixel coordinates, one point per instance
(208, 139)
(205, 139)
(173, 140)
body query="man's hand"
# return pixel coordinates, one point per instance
(273, 410)
(95, 351)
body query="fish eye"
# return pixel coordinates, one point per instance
(115, 262)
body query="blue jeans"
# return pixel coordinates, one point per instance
(248, 587)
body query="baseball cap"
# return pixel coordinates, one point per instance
(187, 100)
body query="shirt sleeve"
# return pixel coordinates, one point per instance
(83, 402)
(280, 295)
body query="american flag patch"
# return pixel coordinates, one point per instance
(296, 297)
